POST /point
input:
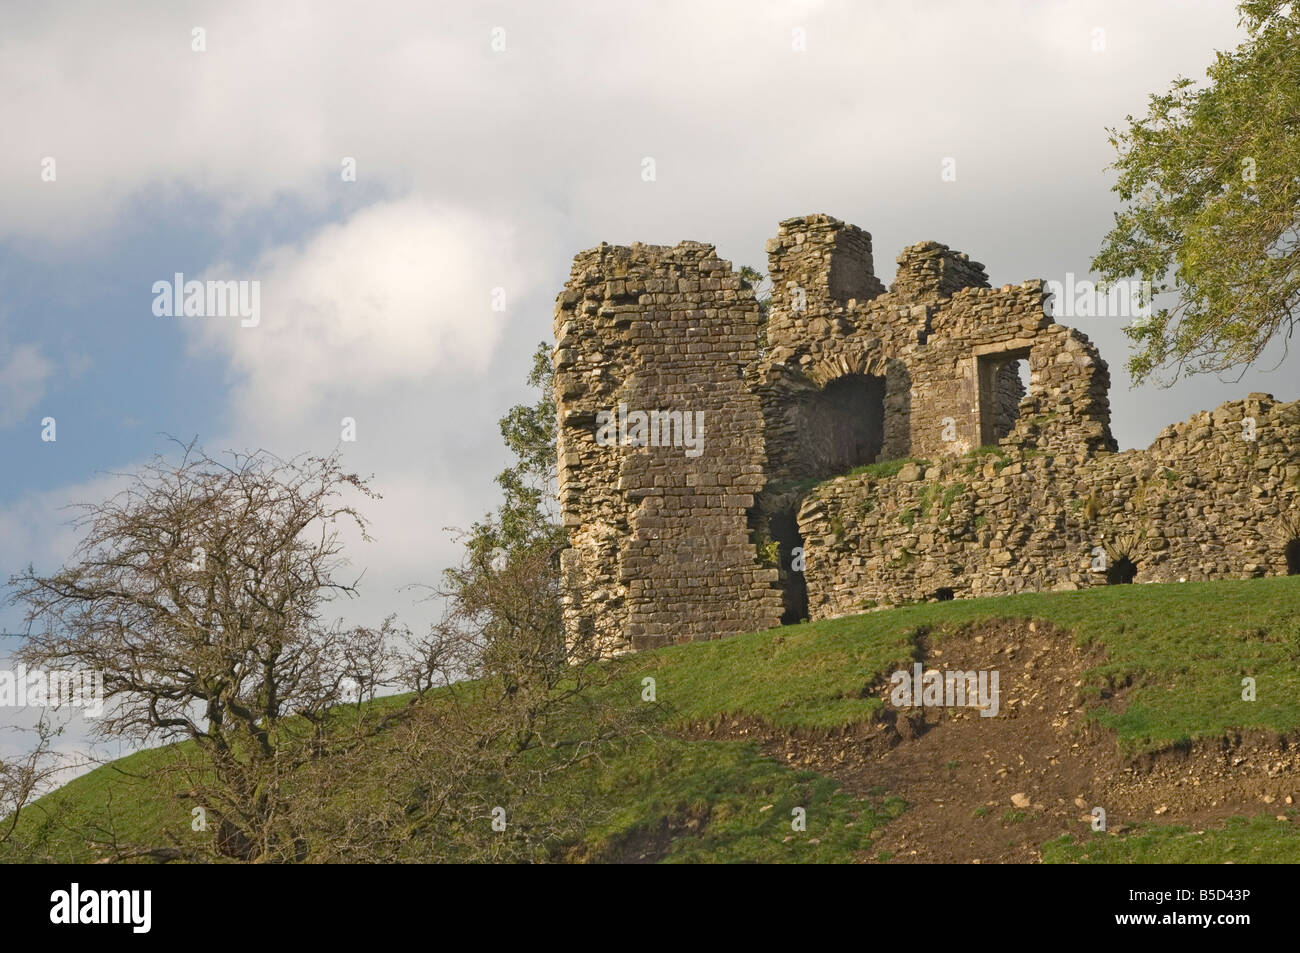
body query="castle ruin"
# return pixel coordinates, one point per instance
(864, 447)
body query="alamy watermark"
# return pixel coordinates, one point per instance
(132, 908)
(1084, 299)
(33, 688)
(935, 689)
(655, 428)
(209, 299)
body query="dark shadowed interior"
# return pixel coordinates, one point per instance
(844, 424)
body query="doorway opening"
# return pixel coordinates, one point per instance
(1121, 572)
(1003, 383)
(1293, 557)
(794, 587)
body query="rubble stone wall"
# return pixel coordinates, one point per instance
(1203, 502)
(668, 545)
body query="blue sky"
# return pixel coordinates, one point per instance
(124, 376)
(480, 168)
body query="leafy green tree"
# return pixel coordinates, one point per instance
(484, 594)
(527, 519)
(751, 279)
(1212, 205)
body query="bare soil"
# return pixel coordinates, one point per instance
(994, 789)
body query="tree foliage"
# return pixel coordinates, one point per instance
(526, 519)
(1210, 178)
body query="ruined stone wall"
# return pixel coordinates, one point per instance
(660, 545)
(820, 269)
(1202, 502)
(929, 271)
(943, 341)
(975, 332)
(669, 546)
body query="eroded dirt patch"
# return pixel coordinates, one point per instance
(994, 789)
(648, 845)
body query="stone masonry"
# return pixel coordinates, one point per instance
(882, 439)
(660, 546)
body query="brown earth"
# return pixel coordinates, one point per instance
(993, 790)
(647, 845)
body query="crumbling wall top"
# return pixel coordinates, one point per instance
(931, 270)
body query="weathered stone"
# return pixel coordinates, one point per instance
(672, 546)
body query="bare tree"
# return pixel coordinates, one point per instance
(23, 778)
(369, 656)
(197, 592)
(481, 765)
(486, 764)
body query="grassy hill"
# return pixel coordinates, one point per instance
(1126, 698)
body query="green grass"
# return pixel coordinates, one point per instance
(975, 458)
(747, 801)
(1258, 840)
(113, 795)
(885, 468)
(1181, 648)
(876, 471)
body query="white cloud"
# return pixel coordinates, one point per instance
(385, 318)
(397, 294)
(715, 91)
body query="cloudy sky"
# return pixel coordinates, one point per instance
(491, 142)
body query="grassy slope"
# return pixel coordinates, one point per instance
(1185, 649)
